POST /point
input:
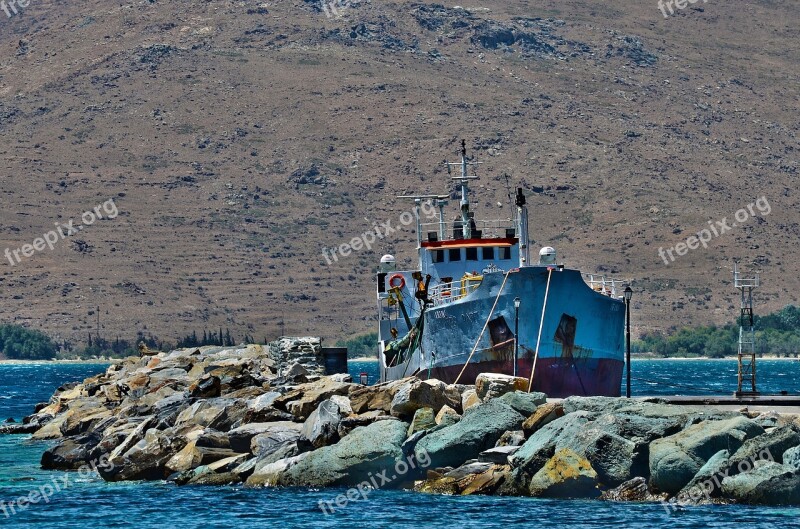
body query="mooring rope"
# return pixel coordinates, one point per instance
(541, 325)
(478, 341)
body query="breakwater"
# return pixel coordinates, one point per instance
(215, 416)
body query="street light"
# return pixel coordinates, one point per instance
(628, 296)
(516, 333)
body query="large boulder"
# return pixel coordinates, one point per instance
(269, 475)
(70, 454)
(542, 444)
(469, 399)
(322, 426)
(632, 490)
(146, 460)
(791, 458)
(708, 480)
(304, 399)
(261, 409)
(676, 459)
(544, 414)
(416, 394)
(423, 420)
(241, 438)
(373, 449)
(525, 403)
(769, 446)
(767, 484)
(276, 435)
(447, 416)
(374, 398)
(492, 385)
(565, 475)
(192, 456)
(478, 430)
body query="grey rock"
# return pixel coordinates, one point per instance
(708, 480)
(498, 454)
(467, 469)
(791, 458)
(478, 430)
(322, 426)
(490, 386)
(415, 394)
(523, 402)
(769, 446)
(241, 438)
(423, 420)
(767, 484)
(676, 459)
(372, 448)
(278, 434)
(511, 438)
(565, 475)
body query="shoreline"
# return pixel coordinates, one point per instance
(55, 362)
(369, 359)
(727, 358)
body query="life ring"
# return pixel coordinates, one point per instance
(399, 285)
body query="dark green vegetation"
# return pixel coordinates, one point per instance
(19, 343)
(361, 346)
(776, 334)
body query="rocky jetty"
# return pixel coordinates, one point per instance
(268, 416)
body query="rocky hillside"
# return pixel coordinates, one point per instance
(238, 139)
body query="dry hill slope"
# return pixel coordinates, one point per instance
(238, 139)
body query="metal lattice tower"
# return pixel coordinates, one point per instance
(747, 334)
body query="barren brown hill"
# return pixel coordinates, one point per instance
(238, 139)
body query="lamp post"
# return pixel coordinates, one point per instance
(516, 333)
(628, 295)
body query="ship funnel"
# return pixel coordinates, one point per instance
(388, 263)
(547, 256)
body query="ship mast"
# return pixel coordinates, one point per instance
(466, 227)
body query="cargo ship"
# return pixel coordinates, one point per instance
(475, 303)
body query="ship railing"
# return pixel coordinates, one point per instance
(482, 229)
(605, 285)
(445, 293)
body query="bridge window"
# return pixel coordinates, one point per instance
(488, 253)
(455, 254)
(438, 256)
(505, 253)
(472, 254)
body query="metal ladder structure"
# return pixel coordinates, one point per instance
(747, 334)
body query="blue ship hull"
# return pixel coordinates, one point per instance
(581, 349)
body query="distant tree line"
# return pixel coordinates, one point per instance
(213, 338)
(777, 333)
(362, 346)
(20, 343)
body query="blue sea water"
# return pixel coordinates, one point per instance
(680, 377)
(84, 500)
